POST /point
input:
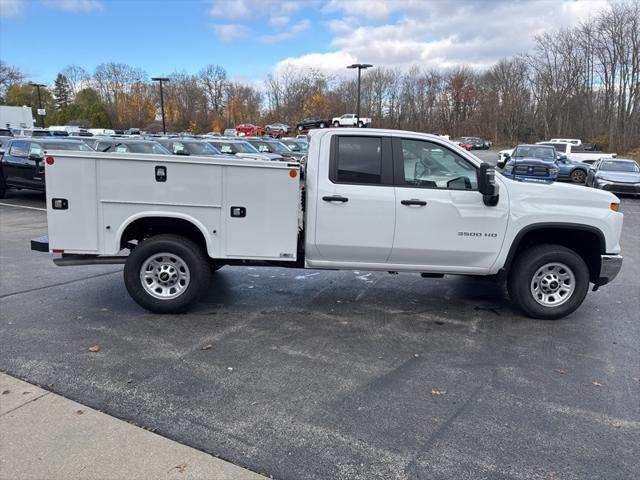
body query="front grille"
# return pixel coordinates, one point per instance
(620, 188)
(535, 170)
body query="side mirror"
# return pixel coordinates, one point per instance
(562, 158)
(487, 185)
(35, 156)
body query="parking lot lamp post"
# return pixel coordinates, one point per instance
(38, 85)
(360, 67)
(160, 80)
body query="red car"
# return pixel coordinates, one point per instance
(249, 130)
(464, 145)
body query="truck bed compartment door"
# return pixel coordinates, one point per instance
(261, 213)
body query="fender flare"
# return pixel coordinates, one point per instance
(550, 226)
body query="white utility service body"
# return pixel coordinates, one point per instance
(107, 192)
(425, 206)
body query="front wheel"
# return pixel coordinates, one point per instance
(548, 281)
(336, 124)
(360, 125)
(578, 176)
(166, 273)
(322, 125)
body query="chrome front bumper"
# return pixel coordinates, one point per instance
(610, 266)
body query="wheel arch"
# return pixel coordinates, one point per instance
(587, 241)
(146, 224)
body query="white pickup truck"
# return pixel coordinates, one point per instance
(350, 120)
(576, 152)
(384, 200)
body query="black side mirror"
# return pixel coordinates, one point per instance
(35, 156)
(487, 185)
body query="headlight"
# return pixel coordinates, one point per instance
(508, 168)
(602, 179)
(553, 171)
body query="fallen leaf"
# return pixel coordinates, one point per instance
(5, 392)
(181, 468)
(597, 384)
(26, 393)
(207, 347)
(437, 392)
(79, 412)
(560, 371)
(94, 348)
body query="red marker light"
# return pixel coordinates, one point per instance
(50, 161)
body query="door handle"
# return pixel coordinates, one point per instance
(413, 201)
(335, 198)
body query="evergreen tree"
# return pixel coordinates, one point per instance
(62, 91)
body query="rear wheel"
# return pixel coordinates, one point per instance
(166, 273)
(322, 125)
(548, 281)
(336, 124)
(300, 128)
(578, 176)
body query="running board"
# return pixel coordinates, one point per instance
(73, 260)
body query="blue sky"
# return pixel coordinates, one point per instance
(252, 38)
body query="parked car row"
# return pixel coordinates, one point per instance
(22, 158)
(541, 162)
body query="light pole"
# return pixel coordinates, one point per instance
(360, 67)
(161, 79)
(38, 85)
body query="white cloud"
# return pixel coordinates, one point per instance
(291, 32)
(365, 9)
(76, 6)
(11, 8)
(279, 21)
(231, 10)
(333, 63)
(403, 33)
(228, 32)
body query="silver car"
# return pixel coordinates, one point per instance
(615, 175)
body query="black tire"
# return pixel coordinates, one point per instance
(336, 124)
(360, 125)
(322, 125)
(520, 281)
(578, 176)
(300, 128)
(3, 186)
(198, 270)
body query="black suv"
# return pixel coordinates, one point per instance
(312, 122)
(22, 164)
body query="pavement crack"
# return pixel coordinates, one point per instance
(57, 284)
(25, 403)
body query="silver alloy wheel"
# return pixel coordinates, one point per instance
(165, 276)
(578, 176)
(553, 284)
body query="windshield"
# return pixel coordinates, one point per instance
(535, 151)
(79, 146)
(614, 166)
(234, 147)
(137, 148)
(279, 147)
(200, 148)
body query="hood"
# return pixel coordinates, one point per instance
(531, 161)
(557, 193)
(624, 177)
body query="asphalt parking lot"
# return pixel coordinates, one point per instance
(347, 375)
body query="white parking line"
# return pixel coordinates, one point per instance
(23, 206)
